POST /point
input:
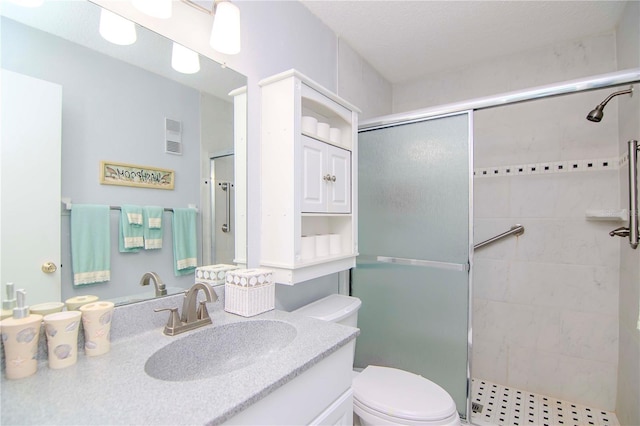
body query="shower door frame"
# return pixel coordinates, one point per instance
(469, 113)
(601, 81)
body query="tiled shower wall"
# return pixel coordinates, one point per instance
(546, 304)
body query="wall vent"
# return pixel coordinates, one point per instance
(173, 136)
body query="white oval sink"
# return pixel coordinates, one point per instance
(218, 350)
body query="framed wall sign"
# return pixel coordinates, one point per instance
(133, 175)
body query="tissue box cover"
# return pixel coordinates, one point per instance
(249, 292)
(213, 274)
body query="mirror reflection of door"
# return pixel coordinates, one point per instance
(222, 206)
(30, 186)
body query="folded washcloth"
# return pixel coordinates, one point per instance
(152, 227)
(134, 214)
(90, 244)
(185, 249)
(131, 233)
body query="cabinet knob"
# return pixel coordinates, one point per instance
(327, 178)
(333, 178)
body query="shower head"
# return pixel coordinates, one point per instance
(596, 114)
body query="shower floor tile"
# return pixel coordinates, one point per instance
(507, 406)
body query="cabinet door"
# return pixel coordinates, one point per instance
(339, 188)
(314, 186)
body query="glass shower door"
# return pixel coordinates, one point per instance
(412, 275)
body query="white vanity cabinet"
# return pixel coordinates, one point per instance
(308, 180)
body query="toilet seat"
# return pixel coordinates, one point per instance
(402, 397)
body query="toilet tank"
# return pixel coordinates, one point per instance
(334, 308)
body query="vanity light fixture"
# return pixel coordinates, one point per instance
(155, 8)
(184, 60)
(116, 29)
(225, 32)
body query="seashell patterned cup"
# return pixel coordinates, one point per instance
(61, 329)
(96, 320)
(20, 340)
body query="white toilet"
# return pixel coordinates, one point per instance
(382, 395)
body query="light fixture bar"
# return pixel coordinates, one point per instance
(199, 7)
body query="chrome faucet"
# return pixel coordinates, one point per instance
(161, 290)
(191, 317)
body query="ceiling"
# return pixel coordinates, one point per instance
(406, 40)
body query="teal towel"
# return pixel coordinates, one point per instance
(185, 249)
(131, 231)
(152, 227)
(90, 244)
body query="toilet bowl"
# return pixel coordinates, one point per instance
(383, 395)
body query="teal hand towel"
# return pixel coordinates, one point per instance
(185, 249)
(152, 227)
(90, 244)
(131, 232)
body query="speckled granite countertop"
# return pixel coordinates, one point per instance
(114, 388)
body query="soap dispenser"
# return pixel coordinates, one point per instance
(20, 335)
(9, 302)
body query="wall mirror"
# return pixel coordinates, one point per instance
(117, 102)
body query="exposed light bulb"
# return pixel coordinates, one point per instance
(155, 8)
(116, 29)
(184, 60)
(225, 34)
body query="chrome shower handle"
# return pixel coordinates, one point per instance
(623, 231)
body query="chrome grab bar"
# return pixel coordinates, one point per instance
(632, 231)
(633, 193)
(226, 187)
(516, 230)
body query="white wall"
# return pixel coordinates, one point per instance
(545, 304)
(562, 61)
(628, 56)
(361, 84)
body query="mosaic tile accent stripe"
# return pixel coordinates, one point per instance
(507, 406)
(567, 166)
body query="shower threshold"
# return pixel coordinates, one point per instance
(495, 404)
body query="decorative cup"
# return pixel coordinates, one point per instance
(61, 329)
(75, 302)
(20, 340)
(96, 320)
(46, 308)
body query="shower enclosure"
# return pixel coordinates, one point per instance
(545, 308)
(415, 229)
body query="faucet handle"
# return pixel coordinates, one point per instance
(174, 320)
(203, 313)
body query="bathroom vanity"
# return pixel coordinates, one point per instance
(274, 368)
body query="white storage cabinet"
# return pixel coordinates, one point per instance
(308, 181)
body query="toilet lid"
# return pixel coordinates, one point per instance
(402, 394)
